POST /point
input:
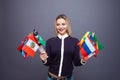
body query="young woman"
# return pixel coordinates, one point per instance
(62, 51)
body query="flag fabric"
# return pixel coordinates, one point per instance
(89, 45)
(39, 38)
(25, 55)
(31, 44)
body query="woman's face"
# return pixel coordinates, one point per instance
(61, 26)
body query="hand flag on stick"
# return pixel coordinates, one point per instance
(30, 44)
(89, 45)
(25, 55)
(40, 40)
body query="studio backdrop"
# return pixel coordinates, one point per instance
(19, 17)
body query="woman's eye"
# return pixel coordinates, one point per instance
(63, 24)
(58, 24)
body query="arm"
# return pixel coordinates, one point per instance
(76, 57)
(45, 57)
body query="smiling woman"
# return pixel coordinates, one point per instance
(62, 25)
(18, 17)
(62, 51)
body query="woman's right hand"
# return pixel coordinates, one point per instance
(43, 56)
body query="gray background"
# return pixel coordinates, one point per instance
(19, 17)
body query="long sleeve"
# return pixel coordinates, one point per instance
(48, 50)
(76, 56)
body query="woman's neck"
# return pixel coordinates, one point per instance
(63, 36)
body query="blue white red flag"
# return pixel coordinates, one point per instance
(89, 45)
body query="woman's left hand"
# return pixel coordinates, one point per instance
(84, 60)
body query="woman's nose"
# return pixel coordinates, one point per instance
(60, 25)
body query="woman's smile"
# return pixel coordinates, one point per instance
(61, 26)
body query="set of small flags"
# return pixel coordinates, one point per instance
(30, 44)
(90, 45)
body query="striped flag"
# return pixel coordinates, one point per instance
(25, 55)
(40, 40)
(31, 44)
(89, 45)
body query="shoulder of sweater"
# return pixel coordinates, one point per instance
(51, 39)
(73, 38)
(54, 38)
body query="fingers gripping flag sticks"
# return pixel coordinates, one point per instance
(31, 44)
(89, 45)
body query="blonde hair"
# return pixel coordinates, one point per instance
(63, 16)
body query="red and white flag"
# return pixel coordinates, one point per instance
(31, 46)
